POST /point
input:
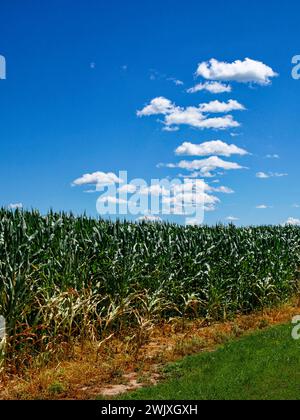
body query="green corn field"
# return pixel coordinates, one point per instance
(67, 279)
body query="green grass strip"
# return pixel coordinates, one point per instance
(262, 366)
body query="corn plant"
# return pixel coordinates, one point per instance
(66, 279)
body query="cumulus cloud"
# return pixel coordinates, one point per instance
(112, 200)
(212, 87)
(265, 175)
(127, 188)
(14, 206)
(157, 106)
(232, 219)
(189, 185)
(175, 116)
(224, 190)
(218, 107)
(246, 71)
(262, 175)
(193, 117)
(292, 221)
(97, 178)
(205, 165)
(191, 194)
(214, 147)
(190, 198)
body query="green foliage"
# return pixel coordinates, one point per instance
(65, 278)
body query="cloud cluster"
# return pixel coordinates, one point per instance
(192, 116)
(266, 175)
(246, 71)
(205, 166)
(214, 147)
(212, 87)
(193, 193)
(217, 78)
(174, 197)
(292, 221)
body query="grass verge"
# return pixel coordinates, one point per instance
(112, 369)
(261, 366)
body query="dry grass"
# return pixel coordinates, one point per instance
(113, 368)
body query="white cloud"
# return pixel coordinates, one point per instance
(176, 82)
(273, 156)
(170, 129)
(98, 179)
(190, 184)
(265, 175)
(190, 194)
(90, 191)
(193, 222)
(292, 221)
(232, 219)
(247, 71)
(212, 87)
(193, 174)
(296, 206)
(205, 165)
(149, 219)
(157, 75)
(218, 107)
(262, 175)
(154, 190)
(214, 147)
(263, 207)
(224, 190)
(14, 206)
(127, 188)
(112, 200)
(192, 116)
(157, 106)
(189, 198)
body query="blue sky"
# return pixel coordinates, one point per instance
(78, 72)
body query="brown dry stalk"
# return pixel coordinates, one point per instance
(117, 370)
